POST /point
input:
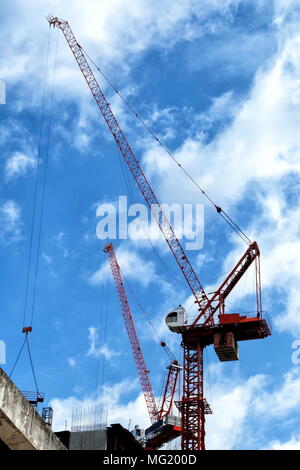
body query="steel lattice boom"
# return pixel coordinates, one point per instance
(164, 433)
(216, 302)
(133, 338)
(170, 389)
(134, 166)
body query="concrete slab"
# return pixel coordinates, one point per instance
(21, 427)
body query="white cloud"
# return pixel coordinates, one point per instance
(132, 266)
(110, 402)
(103, 30)
(18, 165)
(10, 222)
(292, 444)
(47, 258)
(113, 39)
(72, 362)
(253, 158)
(285, 399)
(95, 349)
(280, 249)
(244, 409)
(226, 427)
(59, 238)
(262, 141)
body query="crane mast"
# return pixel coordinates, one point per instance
(204, 330)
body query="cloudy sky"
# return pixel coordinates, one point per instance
(219, 83)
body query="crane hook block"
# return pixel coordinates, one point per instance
(27, 329)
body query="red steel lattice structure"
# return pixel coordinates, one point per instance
(133, 337)
(192, 406)
(170, 389)
(216, 302)
(133, 163)
(169, 432)
(195, 337)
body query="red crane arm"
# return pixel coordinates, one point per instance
(170, 389)
(190, 275)
(217, 300)
(133, 338)
(206, 306)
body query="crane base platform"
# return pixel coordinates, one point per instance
(242, 327)
(163, 431)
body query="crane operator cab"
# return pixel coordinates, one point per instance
(177, 320)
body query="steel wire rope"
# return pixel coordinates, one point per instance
(48, 138)
(38, 163)
(133, 200)
(220, 211)
(30, 360)
(103, 371)
(33, 220)
(166, 348)
(17, 359)
(32, 367)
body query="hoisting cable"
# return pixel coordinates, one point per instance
(161, 388)
(133, 200)
(162, 343)
(48, 137)
(26, 330)
(207, 358)
(100, 329)
(18, 356)
(36, 184)
(104, 339)
(220, 211)
(97, 392)
(125, 176)
(31, 363)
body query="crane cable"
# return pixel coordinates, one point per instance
(30, 360)
(219, 210)
(162, 343)
(102, 372)
(164, 264)
(102, 324)
(27, 329)
(48, 138)
(133, 200)
(36, 185)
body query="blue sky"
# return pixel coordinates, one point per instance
(219, 84)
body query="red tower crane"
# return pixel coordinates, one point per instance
(223, 331)
(161, 431)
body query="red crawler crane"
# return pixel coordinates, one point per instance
(159, 433)
(133, 337)
(222, 332)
